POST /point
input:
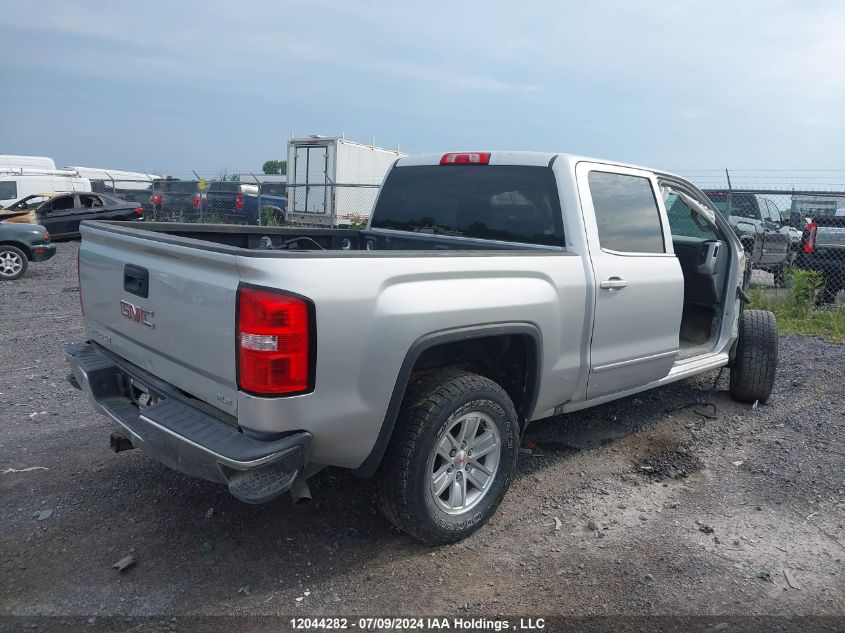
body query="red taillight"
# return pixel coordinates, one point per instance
(239, 202)
(466, 158)
(808, 242)
(155, 199)
(79, 284)
(195, 201)
(46, 237)
(274, 343)
(139, 211)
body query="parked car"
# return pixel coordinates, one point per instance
(764, 233)
(823, 249)
(62, 213)
(242, 203)
(21, 244)
(488, 291)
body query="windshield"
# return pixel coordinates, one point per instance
(495, 202)
(29, 202)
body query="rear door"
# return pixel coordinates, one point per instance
(91, 207)
(639, 283)
(310, 178)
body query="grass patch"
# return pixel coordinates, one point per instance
(797, 313)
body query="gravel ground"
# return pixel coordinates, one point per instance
(636, 507)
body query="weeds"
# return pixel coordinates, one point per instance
(798, 313)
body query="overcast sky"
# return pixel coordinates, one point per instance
(170, 87)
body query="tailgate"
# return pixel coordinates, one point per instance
(183, 330)
(830, 234)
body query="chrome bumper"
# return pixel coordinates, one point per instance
(185, 435)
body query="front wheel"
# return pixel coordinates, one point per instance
(451, 458)
(13, 262)
(755, 364)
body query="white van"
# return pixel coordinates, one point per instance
(32, 162)
(19, 182)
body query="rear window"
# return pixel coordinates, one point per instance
(736, 204)
(176, 186)
(498, 202)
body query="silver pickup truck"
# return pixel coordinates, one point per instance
(489, 290)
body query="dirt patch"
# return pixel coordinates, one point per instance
(670, 465)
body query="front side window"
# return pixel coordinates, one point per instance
(626, 213)
(684, 221)
(61, 204)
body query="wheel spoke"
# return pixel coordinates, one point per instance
(455, 493)
(481, 467)
(441, 479)
(477, 478)
(468, 430)
(486, 442)
(446, 445)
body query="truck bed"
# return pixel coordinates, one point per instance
(178, 321)
(280, 241)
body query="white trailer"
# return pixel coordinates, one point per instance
(332, 180)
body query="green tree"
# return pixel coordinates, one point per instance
(275, 167)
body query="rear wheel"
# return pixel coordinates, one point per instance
(451, 457)
(13, 262)
(755, 364)
(829, 292)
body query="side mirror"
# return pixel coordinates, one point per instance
(794, 221)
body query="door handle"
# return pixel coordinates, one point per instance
(614, 283)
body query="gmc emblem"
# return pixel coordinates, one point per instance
(137, 314)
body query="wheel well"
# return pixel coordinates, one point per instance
(23, 247)
(508, 359)
(506, 353)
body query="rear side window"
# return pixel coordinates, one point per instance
(494, 202)
(626, 213)
(8, 190)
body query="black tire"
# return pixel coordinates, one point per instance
(755, 364)
(13, 262)
(828, 294)
(430, 407)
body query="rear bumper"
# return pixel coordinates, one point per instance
(185, 436)
(42, 252)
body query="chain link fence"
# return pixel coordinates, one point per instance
(259, 204)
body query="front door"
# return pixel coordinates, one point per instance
(57, 215)
(639, 283)
(776, 235)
